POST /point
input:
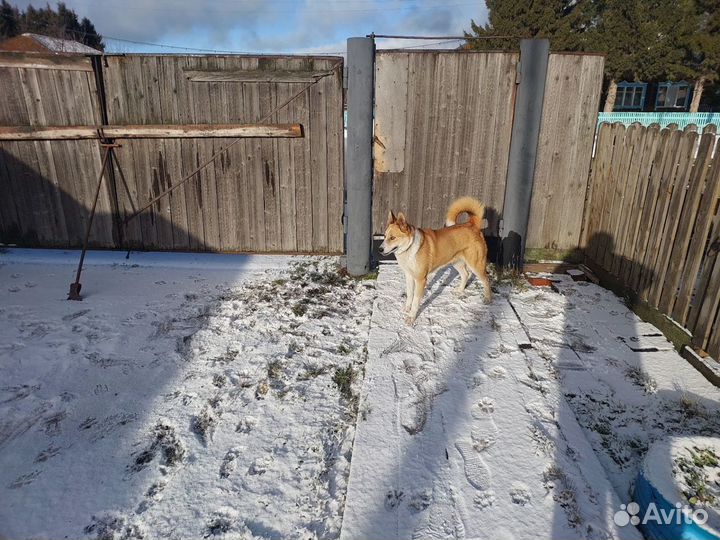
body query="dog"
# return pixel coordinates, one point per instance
(422, 251)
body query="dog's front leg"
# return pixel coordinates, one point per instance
(419, 290)
(409, 291)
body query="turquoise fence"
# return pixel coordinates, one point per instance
(662, 118)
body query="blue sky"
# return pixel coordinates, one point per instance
(271, 26)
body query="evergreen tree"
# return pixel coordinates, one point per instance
(703, 48)
(567, 23)
(643, 40)
(9, 24)
(61, 23)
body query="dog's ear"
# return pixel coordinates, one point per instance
(402, 222)
(391, 217)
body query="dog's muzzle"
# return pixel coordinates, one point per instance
(384, 250)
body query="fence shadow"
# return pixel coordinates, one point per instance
(426, 459)
(100, 393)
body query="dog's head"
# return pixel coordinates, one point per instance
(398, 234)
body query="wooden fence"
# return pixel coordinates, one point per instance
(442, 130)
(652, 221)
(443, 123)
(567, 130)
(273, 191)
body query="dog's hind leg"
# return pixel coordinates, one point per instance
(478, 268)
(464, 275)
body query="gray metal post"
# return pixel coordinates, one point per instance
(523, 149)
(358, 158)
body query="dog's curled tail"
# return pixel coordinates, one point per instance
(473, 207)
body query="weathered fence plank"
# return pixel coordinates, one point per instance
(662, 217)
(697, 252)
(54, 133)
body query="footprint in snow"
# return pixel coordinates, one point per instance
(476, 471)
(484, 499)
(497, 372)
(229, 463)
(484, 433)
(483, 407)
(443, 520)
(519, 493)
(414, 404)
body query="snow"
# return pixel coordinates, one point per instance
(186, 396)
(623, 380)
(464, 431)
(217, 396)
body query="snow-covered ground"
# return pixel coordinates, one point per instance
(527, 418)
(217, 396)
(187, 396)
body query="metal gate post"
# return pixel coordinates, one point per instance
(523, 149)
(358, 159)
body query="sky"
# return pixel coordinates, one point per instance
(271, 26)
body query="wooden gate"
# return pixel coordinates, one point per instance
(260, 195)
(443, 125)
(443, 121)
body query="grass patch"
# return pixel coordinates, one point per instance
(274, 369)
(300, 308)
(312, 372)
(511, 277)
(698, 484)
(344, 379)
(640, 378)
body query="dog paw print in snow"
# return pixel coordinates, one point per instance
(484, 499)
(420, 500)
(485, 406)
(497, 372)
(393, 498)
(519, 494)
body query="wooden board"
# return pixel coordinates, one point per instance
(34, 133)
(28, 60)
(255, 75)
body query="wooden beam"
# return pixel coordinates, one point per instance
(51, 133)
(27, 60)
(254, 76)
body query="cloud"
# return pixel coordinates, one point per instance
(277, 26)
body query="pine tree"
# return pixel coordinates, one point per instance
(566, 23)
(703, 48)
(62, 23)
(9, 23)
(643, 40)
